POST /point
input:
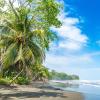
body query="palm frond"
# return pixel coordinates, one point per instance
(19, 55)
(37, 51)
(28, 55)
(9, 56)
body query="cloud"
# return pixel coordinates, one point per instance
(73, 38)
(67, 60)
(81, 61)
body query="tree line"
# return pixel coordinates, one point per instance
(54, 75)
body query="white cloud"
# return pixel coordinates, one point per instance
(73, 37)
(68, 60)
(70, 44)
(64, 62)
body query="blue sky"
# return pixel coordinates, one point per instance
(78, 49)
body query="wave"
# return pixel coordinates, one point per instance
(79, 82)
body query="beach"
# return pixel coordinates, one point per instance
(36, 91)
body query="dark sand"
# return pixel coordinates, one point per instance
(36, 91)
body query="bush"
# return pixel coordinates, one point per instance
(23, 81)
(4, 81)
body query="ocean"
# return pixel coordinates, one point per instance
(90, 89)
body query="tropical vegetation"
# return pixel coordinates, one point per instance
(25, 36)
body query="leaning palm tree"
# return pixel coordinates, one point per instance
(25, 32)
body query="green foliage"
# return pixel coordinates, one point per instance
(22, 81)
(40, 72)
(62, 76)
(4, 81)
(25, 35)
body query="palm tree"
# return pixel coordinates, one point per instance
(25, 33)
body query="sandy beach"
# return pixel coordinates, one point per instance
(36, 91)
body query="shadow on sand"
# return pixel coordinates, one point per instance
(26, 94)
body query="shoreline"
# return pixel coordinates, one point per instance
(37, 91)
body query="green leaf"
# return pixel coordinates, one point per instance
(19, 55)
(9, 56)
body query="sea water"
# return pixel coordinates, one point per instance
(90, 89)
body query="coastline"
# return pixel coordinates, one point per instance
(37, 91)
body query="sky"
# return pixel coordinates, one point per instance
(78, 49)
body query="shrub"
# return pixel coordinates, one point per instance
(23, 81)
(4, 81)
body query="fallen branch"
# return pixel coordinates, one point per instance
(16, 77)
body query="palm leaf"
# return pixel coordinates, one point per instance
(28, 55)
(19, 55)
(37, 51)
(9, 56)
